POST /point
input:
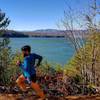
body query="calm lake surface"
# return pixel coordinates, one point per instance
(54, 50)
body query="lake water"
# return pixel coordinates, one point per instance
(54, 50)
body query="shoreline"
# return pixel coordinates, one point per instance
(32, 37)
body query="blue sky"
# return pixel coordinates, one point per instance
(37, 14)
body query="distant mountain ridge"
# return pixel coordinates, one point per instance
(38, 33)
(48, 31)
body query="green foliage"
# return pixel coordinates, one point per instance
(5, 58)
(45, 68)
(58, 68)
(5, 50)
(14, 68)
(77, 79)
(84, 57)
(4, 22)
(72, 68)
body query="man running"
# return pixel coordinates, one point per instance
(29, 72)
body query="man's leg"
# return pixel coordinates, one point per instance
(39, 92)
(21, 83)
(36, 87)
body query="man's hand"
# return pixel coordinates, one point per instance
(18, 63)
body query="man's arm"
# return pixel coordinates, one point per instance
(39, 59)
(24, 66)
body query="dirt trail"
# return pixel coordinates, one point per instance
(19, 97)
